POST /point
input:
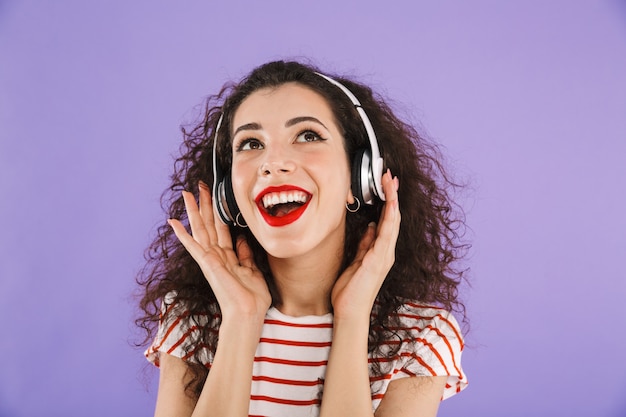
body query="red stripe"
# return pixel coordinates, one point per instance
(424, 364)
(167, 312)
(383, 377)
(294, 343)
(193, 352)
(287, 381)
(167, 333)
(290, 362)
(453, 327)
(422, 306)
(304, 326)
(432, 349)
(445, 339)
(175, 324)
(190, 354)
(182, 339)
(284, 401)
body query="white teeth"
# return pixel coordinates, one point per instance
(271, 199)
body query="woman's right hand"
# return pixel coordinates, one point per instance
(239, 286)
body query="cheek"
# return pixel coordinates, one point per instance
(341, 175)
(335, 182)
(239, 179)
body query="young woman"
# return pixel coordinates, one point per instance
(307, 267)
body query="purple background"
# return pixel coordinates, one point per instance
(528, 97)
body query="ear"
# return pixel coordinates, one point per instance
(350, 196)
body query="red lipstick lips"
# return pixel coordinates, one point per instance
(291, 216)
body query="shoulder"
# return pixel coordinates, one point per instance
(179, 331)
(434, 345)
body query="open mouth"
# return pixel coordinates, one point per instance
(283, 205)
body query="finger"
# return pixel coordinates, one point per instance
(210, 269)
(198, 229)
(382, 239)
(389, 225)
(206, 211)
(192, 246)
(390, 185)
(390, 217)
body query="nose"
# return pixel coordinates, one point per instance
(276, 163)
(276, 167)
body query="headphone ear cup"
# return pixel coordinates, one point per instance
(363, 186)
(357, 162)
(224, 201)
(219, 201)
(232, 209)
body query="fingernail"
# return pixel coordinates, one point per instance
(396, 182)
(371, 224)
(203, 184)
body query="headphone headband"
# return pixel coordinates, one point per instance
(376, 161)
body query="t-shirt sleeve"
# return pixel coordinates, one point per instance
(436, 347)
(174, 333)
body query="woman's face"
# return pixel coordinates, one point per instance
(290, 171)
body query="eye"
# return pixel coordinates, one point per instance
(308, 136)
(249, 145)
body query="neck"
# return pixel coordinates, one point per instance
(305, 283)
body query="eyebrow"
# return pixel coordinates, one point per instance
(248, 126)
(301, 119)
(288, 123)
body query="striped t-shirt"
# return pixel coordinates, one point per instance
(290, 360)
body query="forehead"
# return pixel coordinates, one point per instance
(276, 104)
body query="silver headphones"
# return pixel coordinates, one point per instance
(367, 169)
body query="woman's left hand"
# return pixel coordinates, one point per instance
(356, 289)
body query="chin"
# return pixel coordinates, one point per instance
(306, 236)
(286, 249)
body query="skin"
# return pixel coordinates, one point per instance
(275, 152)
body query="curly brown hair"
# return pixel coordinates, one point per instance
(429, 245)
